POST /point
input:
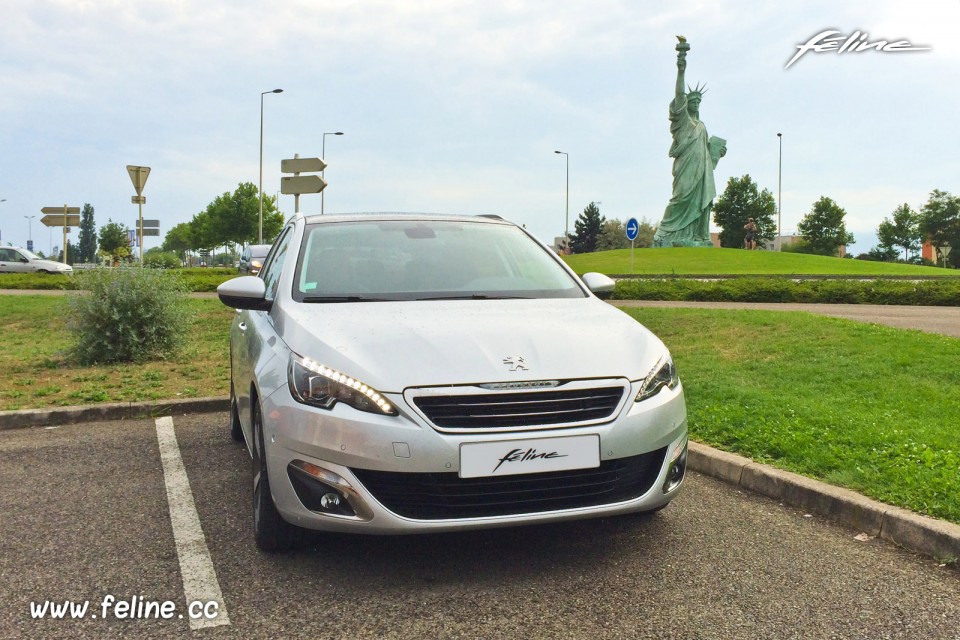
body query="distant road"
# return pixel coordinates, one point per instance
(942, 320)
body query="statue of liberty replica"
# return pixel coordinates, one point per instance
(686, 222)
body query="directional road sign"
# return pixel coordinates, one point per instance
(138, 175)
(302, 184)
(633, 229)
(302, 165)
(151, 232)
(58, 220)
(138, 199)
(60, 210)
(150, 223)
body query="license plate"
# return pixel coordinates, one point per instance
(536, 455)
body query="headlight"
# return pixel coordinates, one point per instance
(255, 264)
(663, 374)
(320, 386)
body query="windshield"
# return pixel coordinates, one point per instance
(424, 260)
(29, 255)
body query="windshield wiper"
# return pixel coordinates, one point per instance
(343, 299)
(477, 296)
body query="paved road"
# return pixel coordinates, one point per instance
(944, 320)
(85, 514)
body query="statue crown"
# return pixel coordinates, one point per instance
(698, 91)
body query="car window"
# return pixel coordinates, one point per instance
(5, 255)
(274, 265)
(417, 259)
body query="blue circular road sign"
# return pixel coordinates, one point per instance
(633, 229)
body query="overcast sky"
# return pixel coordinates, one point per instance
(457, 106)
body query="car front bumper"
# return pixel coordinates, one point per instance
(350, 471)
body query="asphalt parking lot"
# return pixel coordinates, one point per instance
(86, 515)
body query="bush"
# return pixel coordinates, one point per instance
(127, 314)
(161, 260)
(941, 292)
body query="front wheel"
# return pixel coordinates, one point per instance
(270, 531)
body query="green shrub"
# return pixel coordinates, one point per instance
(161, 260)
(127, 314)
(945, 292)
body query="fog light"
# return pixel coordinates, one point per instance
(330, 501)
(323, 491)
(677, 468)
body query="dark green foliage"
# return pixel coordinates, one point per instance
(945, 292)
(823, 228)
(939, 221)
(127, 315)
(587, 230)
(87, 249)
(113, 241)
(740, 201)
(902, 231)
(161, 259)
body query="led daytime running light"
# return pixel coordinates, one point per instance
(345, 380)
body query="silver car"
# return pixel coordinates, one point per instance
(419, 373)
(17, 260)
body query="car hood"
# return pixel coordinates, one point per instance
(395, 345)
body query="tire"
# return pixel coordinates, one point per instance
(236, 431)
(270, 531)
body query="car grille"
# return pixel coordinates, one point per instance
(443, 496)
(520, 409)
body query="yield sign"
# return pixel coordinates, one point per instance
(139, 177)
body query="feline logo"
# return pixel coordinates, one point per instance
(830, 40)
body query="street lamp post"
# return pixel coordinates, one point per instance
(262, 93)
(779, 191)
(323, 156)
(2, 200)
(29, 232)
(566, 220)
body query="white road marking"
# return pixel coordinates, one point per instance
(196, 567)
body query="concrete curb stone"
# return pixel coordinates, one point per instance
(935, 538)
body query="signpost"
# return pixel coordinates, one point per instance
(65, 217)
(139, 175)
(633, 230)
(149, 228)
(298, 184)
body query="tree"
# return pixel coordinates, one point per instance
(178, 240)
(87, 250)
(586, 230)
(739, 201)
(114, 242)
(613, 235)
(879, 254)
(235, 217)
(823, 228)
(902, 231)
(72, 254)
(940, 224)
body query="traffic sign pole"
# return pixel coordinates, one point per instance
(633, 230)
(139, 175)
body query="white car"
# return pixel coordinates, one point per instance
(17, 260)
(397, 373)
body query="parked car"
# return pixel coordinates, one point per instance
(411, 373)
(17, 260)
(251, 260)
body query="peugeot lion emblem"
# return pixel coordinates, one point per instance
(516, 363)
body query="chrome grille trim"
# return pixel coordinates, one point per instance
(472, 409)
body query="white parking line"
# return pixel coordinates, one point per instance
(196, 567)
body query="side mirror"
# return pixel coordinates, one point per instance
(245, 292)
(599, 284)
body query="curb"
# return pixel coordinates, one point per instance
(113, 411)
(935, 538)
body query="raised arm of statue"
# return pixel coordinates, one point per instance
(680, 92)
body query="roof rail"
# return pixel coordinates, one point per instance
(492, 216)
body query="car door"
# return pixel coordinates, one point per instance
(252, 334)
(14, 261)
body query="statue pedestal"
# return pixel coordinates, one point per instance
(682, 243)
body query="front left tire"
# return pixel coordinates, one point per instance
(271, 532)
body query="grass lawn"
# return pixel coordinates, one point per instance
(708, 261)
(35, 374)
(867, 407)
